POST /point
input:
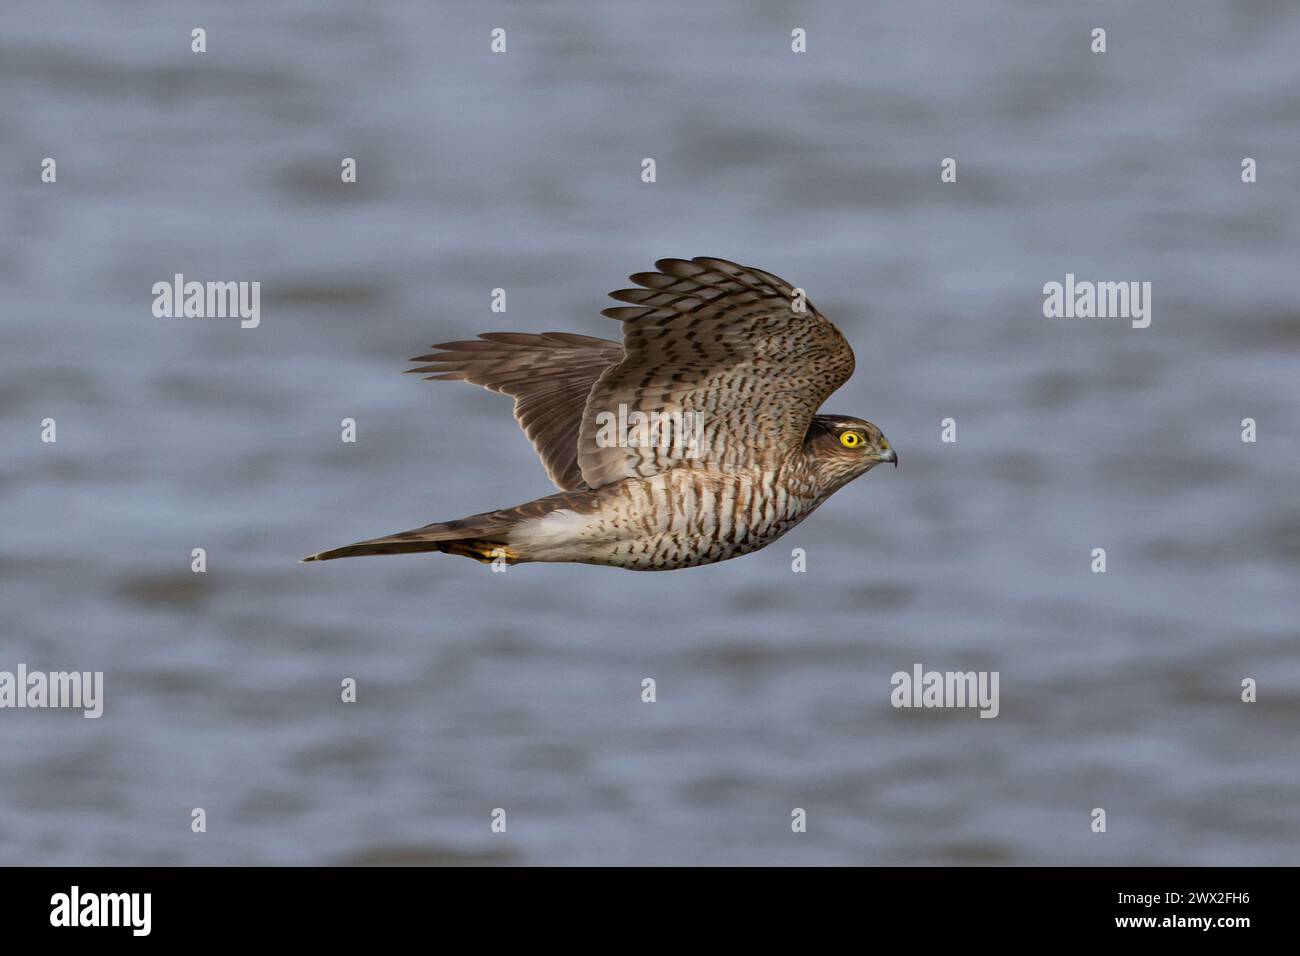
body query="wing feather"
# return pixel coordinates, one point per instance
(550, 377)
(720, 341)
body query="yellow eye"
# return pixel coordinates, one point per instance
(851, 439)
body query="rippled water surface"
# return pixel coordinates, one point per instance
(522, 690)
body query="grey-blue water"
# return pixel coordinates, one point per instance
(522, 690)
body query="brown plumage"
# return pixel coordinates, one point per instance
(730, 360)
(549, 376)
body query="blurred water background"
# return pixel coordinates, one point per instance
(522, 690)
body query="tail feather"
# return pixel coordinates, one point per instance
(483, 537)
(479, 549)
(472, 537)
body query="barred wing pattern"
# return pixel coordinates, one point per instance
(550, 377)
(721, 341)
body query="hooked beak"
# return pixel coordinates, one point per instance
(890, 455)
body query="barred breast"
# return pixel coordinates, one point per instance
(679, 519)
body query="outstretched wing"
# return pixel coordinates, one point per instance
(726, 343)
(550, 377)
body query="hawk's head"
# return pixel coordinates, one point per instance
(842, 448)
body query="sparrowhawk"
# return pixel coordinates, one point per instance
(695, 440)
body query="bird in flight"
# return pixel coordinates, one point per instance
(695, 440)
